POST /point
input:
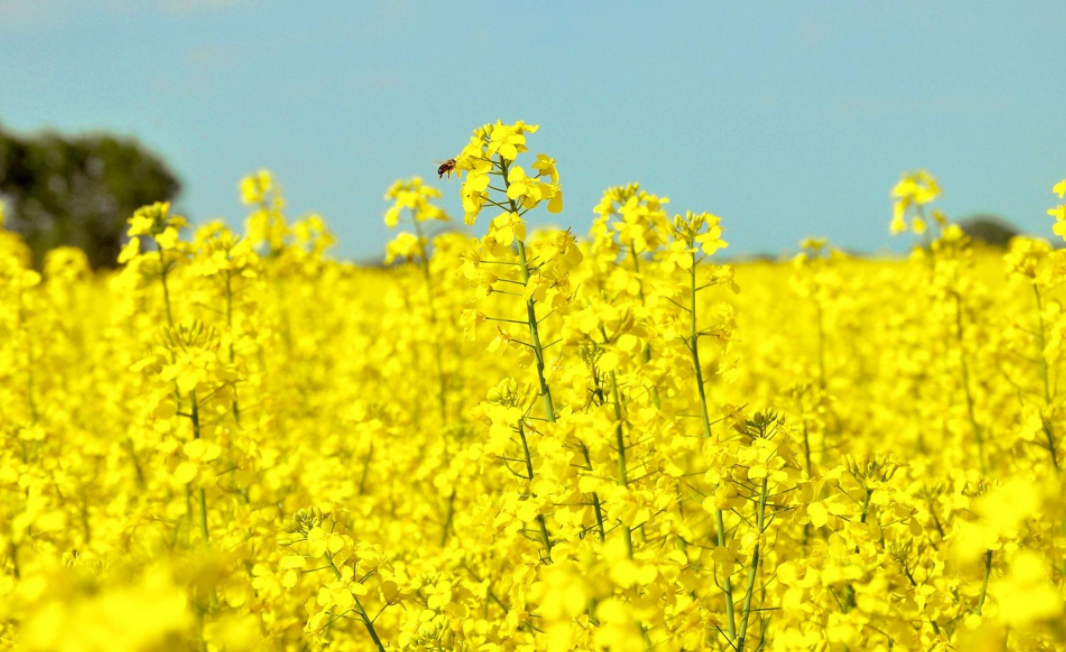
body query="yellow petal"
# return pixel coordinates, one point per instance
(819, 515)
(185, 472)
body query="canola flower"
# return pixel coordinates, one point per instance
(529, 440)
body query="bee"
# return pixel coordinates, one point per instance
(446, 167)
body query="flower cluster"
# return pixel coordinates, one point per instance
(529, 440)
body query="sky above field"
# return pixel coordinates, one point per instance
(787, 119)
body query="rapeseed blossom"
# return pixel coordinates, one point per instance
(531, 439)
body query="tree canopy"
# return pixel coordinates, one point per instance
(79, 190)
(990, 229)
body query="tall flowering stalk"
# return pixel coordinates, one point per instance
(949, 259)
(415, 199)
(490, 157)
(506, 262)
(695, 237)
(631, 224)
(1034, 262)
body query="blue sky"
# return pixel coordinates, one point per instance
(787, 119)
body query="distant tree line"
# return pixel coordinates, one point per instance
(989, 229)
(78, 190)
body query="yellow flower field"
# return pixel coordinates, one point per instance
(532, 439)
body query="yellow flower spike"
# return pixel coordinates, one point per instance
(416, 198)
(318, 542)
(520, 184)
(911, 193)
(404, 245)
(506, 141)
(255, 187)
(897, 225)
(145, 220)
(506, 228)
(130, 250)
(555, 201)
(711, 240)
(155, 220)
(392, 217)
(474, 193)
(545, 167)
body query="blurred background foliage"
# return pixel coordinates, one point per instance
(989, 229)
(78, 190)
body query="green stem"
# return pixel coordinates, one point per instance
(525, 452)
(647, 347)
(619, 433)
(30, 400)
(442, 399)
(136, 462)
(727, 583)
(694, 347)
(202, 496)
(366, 469)
(821, 343)
(966, 385)
(807, 466)
(984, 582)
(166, 289)
(200, 628)
(1047, 384)
(170, 318)
(448, 519)
(531, 313)
(599, 516)
(534, 335)
(545, 539)
(1043, 345)
(753, 569)
(806, 440)
(369, 624)
(865, 510)
(232, 353)
(620, 443)
(597, 507)
(13, 553)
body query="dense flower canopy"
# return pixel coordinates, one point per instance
(528, 440)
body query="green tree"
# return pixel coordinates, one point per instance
(79, 190)
(989, 229)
